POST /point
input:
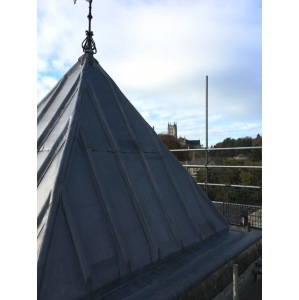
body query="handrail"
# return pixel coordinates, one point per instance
(212, 149)
(218, 166)
(231, 185)
(221, 166)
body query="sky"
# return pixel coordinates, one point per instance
(159, 54)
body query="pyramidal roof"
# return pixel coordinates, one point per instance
(112, 199)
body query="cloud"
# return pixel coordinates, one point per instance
(159, 52)
(45, 84)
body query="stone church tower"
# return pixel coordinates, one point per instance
(172, 130)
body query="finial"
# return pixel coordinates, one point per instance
(88, 45)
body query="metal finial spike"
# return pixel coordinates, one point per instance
(88, 45)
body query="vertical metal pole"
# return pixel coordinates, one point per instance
(236, 282)
(249, 226)
(207, 144)
(89, 24)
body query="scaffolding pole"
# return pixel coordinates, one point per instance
(207, 140)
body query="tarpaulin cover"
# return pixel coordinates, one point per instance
(112, 200)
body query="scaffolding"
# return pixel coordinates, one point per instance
(236, 205)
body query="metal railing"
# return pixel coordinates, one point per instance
(237, 206)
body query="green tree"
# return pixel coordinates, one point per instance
(257, 153)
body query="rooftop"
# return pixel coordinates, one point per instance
(118, 215)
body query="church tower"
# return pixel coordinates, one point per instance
(172, 130)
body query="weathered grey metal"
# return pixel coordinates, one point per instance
(113, 201)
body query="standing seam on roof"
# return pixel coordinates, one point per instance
(119, 247)
(177, 237)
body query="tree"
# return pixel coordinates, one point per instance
(257, 153)
(172, 143)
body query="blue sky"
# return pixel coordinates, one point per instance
(159, 54)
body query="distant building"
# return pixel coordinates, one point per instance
(189, 144)
(172, 130)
